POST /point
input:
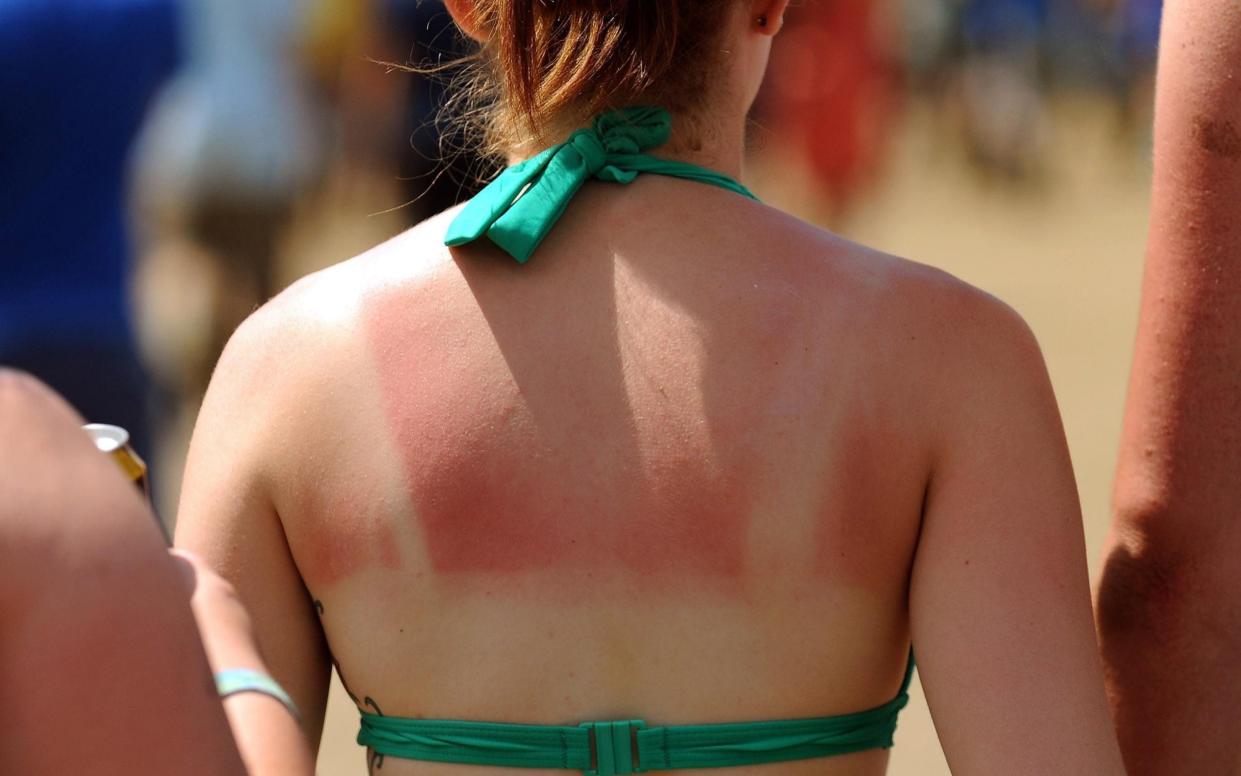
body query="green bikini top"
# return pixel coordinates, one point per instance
(629, 746)
(516, 211)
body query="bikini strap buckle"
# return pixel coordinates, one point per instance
(614, 747)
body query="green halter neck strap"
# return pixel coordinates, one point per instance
(517, 209)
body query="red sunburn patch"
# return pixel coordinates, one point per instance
(345, 542)
(696, 525)
(490, 495)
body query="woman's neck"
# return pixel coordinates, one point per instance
(714, 139)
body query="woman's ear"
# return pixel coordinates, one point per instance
(767, 16)
(465, 14)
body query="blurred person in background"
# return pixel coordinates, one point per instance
(353, 47)
(1138, 41)
(1169, 602)
(1107, 47)
(388, 68)
(76, 78)
(1000, 88)
(110, 643)
(927, 45)
(272, 95)
(235, 141)
(830, 98)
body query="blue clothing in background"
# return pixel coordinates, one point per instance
(1140, 30)
(75, 80)
(994, 23)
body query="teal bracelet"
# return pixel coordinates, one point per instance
(238, 680)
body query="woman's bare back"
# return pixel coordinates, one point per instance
(674, 469)
(667, 470)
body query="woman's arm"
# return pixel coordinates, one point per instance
(227, 516)
(267, 733)
(1169, 617)
(999, 595)
(100, 661)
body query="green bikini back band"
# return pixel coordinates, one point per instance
(517, 209)
(629, 746)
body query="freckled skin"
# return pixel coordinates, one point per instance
(1168, 617)
(1217, 137)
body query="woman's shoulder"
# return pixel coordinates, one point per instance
(894, 294)
(938, 349)
(334, 295)
(312, 333)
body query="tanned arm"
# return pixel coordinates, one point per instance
(1169, 603)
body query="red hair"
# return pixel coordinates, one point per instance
(547, 66)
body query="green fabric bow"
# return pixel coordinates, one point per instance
(517, 209)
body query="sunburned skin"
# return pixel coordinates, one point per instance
(488, 485)
(682, 478)
(697, 526)
(345, 540)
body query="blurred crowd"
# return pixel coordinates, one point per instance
(157, 153)
(844, 69)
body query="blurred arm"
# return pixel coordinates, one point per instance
(100, 661)
(1170, 598)
(1000, 600)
